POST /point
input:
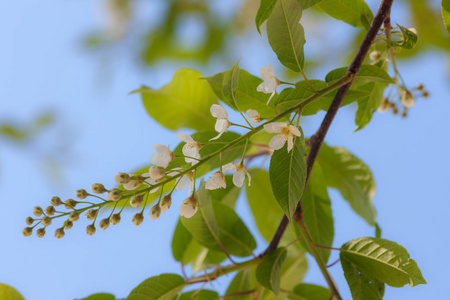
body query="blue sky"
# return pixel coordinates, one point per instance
(104, 131)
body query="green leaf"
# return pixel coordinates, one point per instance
(311, 292)
(351, 177)
(377, 230)
(216, 225)
(409, 39)
(268, 272)
(264, 11)
(361, 287)
(200, 295)
(286, 35)
(369, 104)
(183, 103)
(288, 175)
(9, 293)
(445, 5)
(162, 287)
(308, 3)
(292, 96)
(367, 73)
(100, 296)
(246, 95)
(230, 84)
(317, 211)
(354, 12)
(241, 282)
(382, 260)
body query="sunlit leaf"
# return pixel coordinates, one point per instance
(445, 6)
(367, 73)
(162, 287)
(264, 11)
(409, 39)
(354, 12)
(361, 287)
(286, 35)
(9, 293)
(230, 82)
(369, 104)
(100, 296)
(382, 260)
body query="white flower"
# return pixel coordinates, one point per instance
(162, 157)
(217, 181)
(270, 83)
(286, 133)
(191, 148)
(407, 99)
(186, 181)
(239, 175)
(132, 184)
(156, 173)
(254, 116)
(222, 122)
(189, 207)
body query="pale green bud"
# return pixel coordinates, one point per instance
(90, 229)
(37, 211)
(27, 231)
(74, 216)
(98, 188)
(136, 200)
(115, 219)
(81, 194)
(91, 214)
(122, 178)
(155, 212)
(70, 203)
(29, 220)
(68, 225)
(50, 210)
(104, 224)
(40, 232)
(165, 203)
(114, 195)
(138, 219)
(59, 233)
(55, 201)
(46, 221)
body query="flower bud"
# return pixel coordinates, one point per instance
(74, 216)
(68, 225)
(138, 219)
(384, 106)
(55, 201)
(425, 94)
(165, 203)
(50, 210)
(91, 214)
(37, 211)
(189, 207)
(27, 231)
(114, 195)
(40, 232)
(104, 224)
(46, 221)
(375, 55)
(155, 212)
(70, 203)
(81, 194)
(407, 99)
(420, 87)
(98, 188)
(156, 173)
(29, 220)
(59, 233)
(122, 178)
(136, 200)
(90, 229)
(115, 219)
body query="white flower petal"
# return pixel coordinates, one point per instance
(252, 113)
(152, 182)
(217, 181)
(132, 184)
(270, 98)
(218, 111)
(188, 209)
(221, 125)
(184, 183)
(248, 176)
(238, 178)
(294, 130)
(229, 166)
(277, 142)
(162, 149)
(267, 72)
(186, 138)
(290, 143)
(274, 127)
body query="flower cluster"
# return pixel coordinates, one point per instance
(135, 189)
(405, 98)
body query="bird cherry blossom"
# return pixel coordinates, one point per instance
(253, 115)
(162, 157)
(186, 181)
(191, 148)
(156, 173)
(189, 207)
(133, 183)
(239, 175)
(217, 181)
(269, 86)
(165, 203)
(407, 99)
(222, 122)
(285, 134)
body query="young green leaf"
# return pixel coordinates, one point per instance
(162, 287)
(183, 103)
(354, 12)
(230, 82)
(445, 8)
(216, 225)
(369, 104)
(367, 73)
(286, 35)
(99, 296)
(382, 260)
(409, 39)
(242, 282)
(317, 211)
(246, 95)
(308, 3)
(264, 11)
(9, 293)
(351, 177)
(200, 295)
(268, 271)
(288, 175)
(311, 292)
(361, 287)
